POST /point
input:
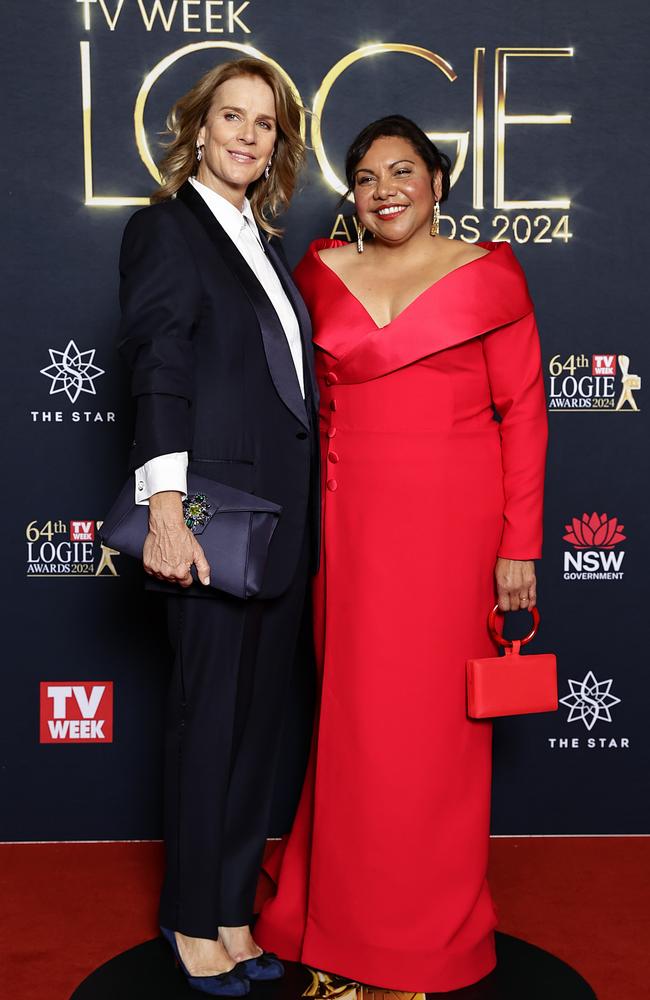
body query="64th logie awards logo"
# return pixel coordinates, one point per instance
(68, 549)
(600, 382)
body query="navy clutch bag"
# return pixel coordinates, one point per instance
(234, 529)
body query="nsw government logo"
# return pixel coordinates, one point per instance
(590, 701)
(68, 549)
(72, 373)
(76, 712)
(596, 382)
(594, 538)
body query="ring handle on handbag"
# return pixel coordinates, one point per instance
(498, 638)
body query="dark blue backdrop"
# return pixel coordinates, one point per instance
(574, 187)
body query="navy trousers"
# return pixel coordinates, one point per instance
(232, 663)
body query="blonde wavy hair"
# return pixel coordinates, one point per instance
(267, 197)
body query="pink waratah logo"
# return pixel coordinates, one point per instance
(595, 531)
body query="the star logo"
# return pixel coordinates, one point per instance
(72, 371)
(590, 701)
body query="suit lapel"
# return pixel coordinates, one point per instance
(301, 312)
(276, 348)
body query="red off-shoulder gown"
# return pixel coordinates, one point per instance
(383, 877)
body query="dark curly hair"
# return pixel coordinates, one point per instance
(397, 125)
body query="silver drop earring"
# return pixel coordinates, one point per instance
(199, 153)
(361, 232)
(267, 169)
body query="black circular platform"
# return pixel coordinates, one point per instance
(148, 972)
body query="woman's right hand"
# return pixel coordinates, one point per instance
(170, 548)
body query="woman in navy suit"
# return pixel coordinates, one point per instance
(219, 345)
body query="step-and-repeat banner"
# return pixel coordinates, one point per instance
(541, 107)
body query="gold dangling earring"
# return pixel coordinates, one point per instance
(435, 222)
(361, 232)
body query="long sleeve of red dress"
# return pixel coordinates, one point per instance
(513, 359)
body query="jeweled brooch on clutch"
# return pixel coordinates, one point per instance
(197, 511)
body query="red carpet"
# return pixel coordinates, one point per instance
(66, 908)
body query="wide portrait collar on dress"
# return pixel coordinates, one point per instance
(471, 300)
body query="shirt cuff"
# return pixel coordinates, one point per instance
(160, 474)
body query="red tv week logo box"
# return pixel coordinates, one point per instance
(76, 712)
(603, 364)
(82, 531)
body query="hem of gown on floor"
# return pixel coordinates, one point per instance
(391, 970)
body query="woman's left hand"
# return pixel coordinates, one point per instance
(516, 584)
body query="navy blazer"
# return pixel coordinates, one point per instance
(212, 373)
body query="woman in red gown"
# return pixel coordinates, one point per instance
(430, 507)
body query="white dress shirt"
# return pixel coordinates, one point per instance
(169, 472)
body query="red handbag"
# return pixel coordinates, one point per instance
(511, 684)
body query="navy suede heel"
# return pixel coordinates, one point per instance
(228, 984)
(266, 966)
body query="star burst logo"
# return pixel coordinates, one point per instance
(590, 701)
(72, 371)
